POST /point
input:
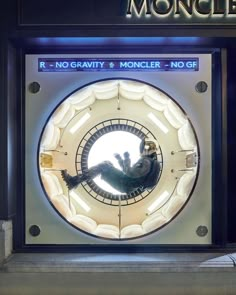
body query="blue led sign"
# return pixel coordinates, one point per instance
(117, 64)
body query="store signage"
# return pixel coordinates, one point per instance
(93, 64)
(129, 12)
(186, 8)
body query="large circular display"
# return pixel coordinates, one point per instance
(88, 127)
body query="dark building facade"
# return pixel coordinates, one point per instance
(128, 34)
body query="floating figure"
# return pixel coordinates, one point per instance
(142, 175)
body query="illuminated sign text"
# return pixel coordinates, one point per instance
(188, 8)
(146, 64)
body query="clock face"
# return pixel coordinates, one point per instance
(112, 117)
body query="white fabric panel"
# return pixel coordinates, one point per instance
(51, 137)
(153, 222)
(83, 222)
(82, 98)
(185, 184)
(155, 99)
(63, 114)
(173, 206)
(62, 206)
(60, 113)
(107, 231)
(133, 230)
(106, 90)
(51, 184)
(186, 137)
(174, 115)
(109, 227)
(71, 205)
(132, 90)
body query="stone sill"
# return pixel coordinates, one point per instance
(113, 263)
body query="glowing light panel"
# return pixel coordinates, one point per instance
(80, 123)
(159, 124)
(105, 148)
(159, 201)
(79, 201)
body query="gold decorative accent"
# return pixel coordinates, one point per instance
(45, 160)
